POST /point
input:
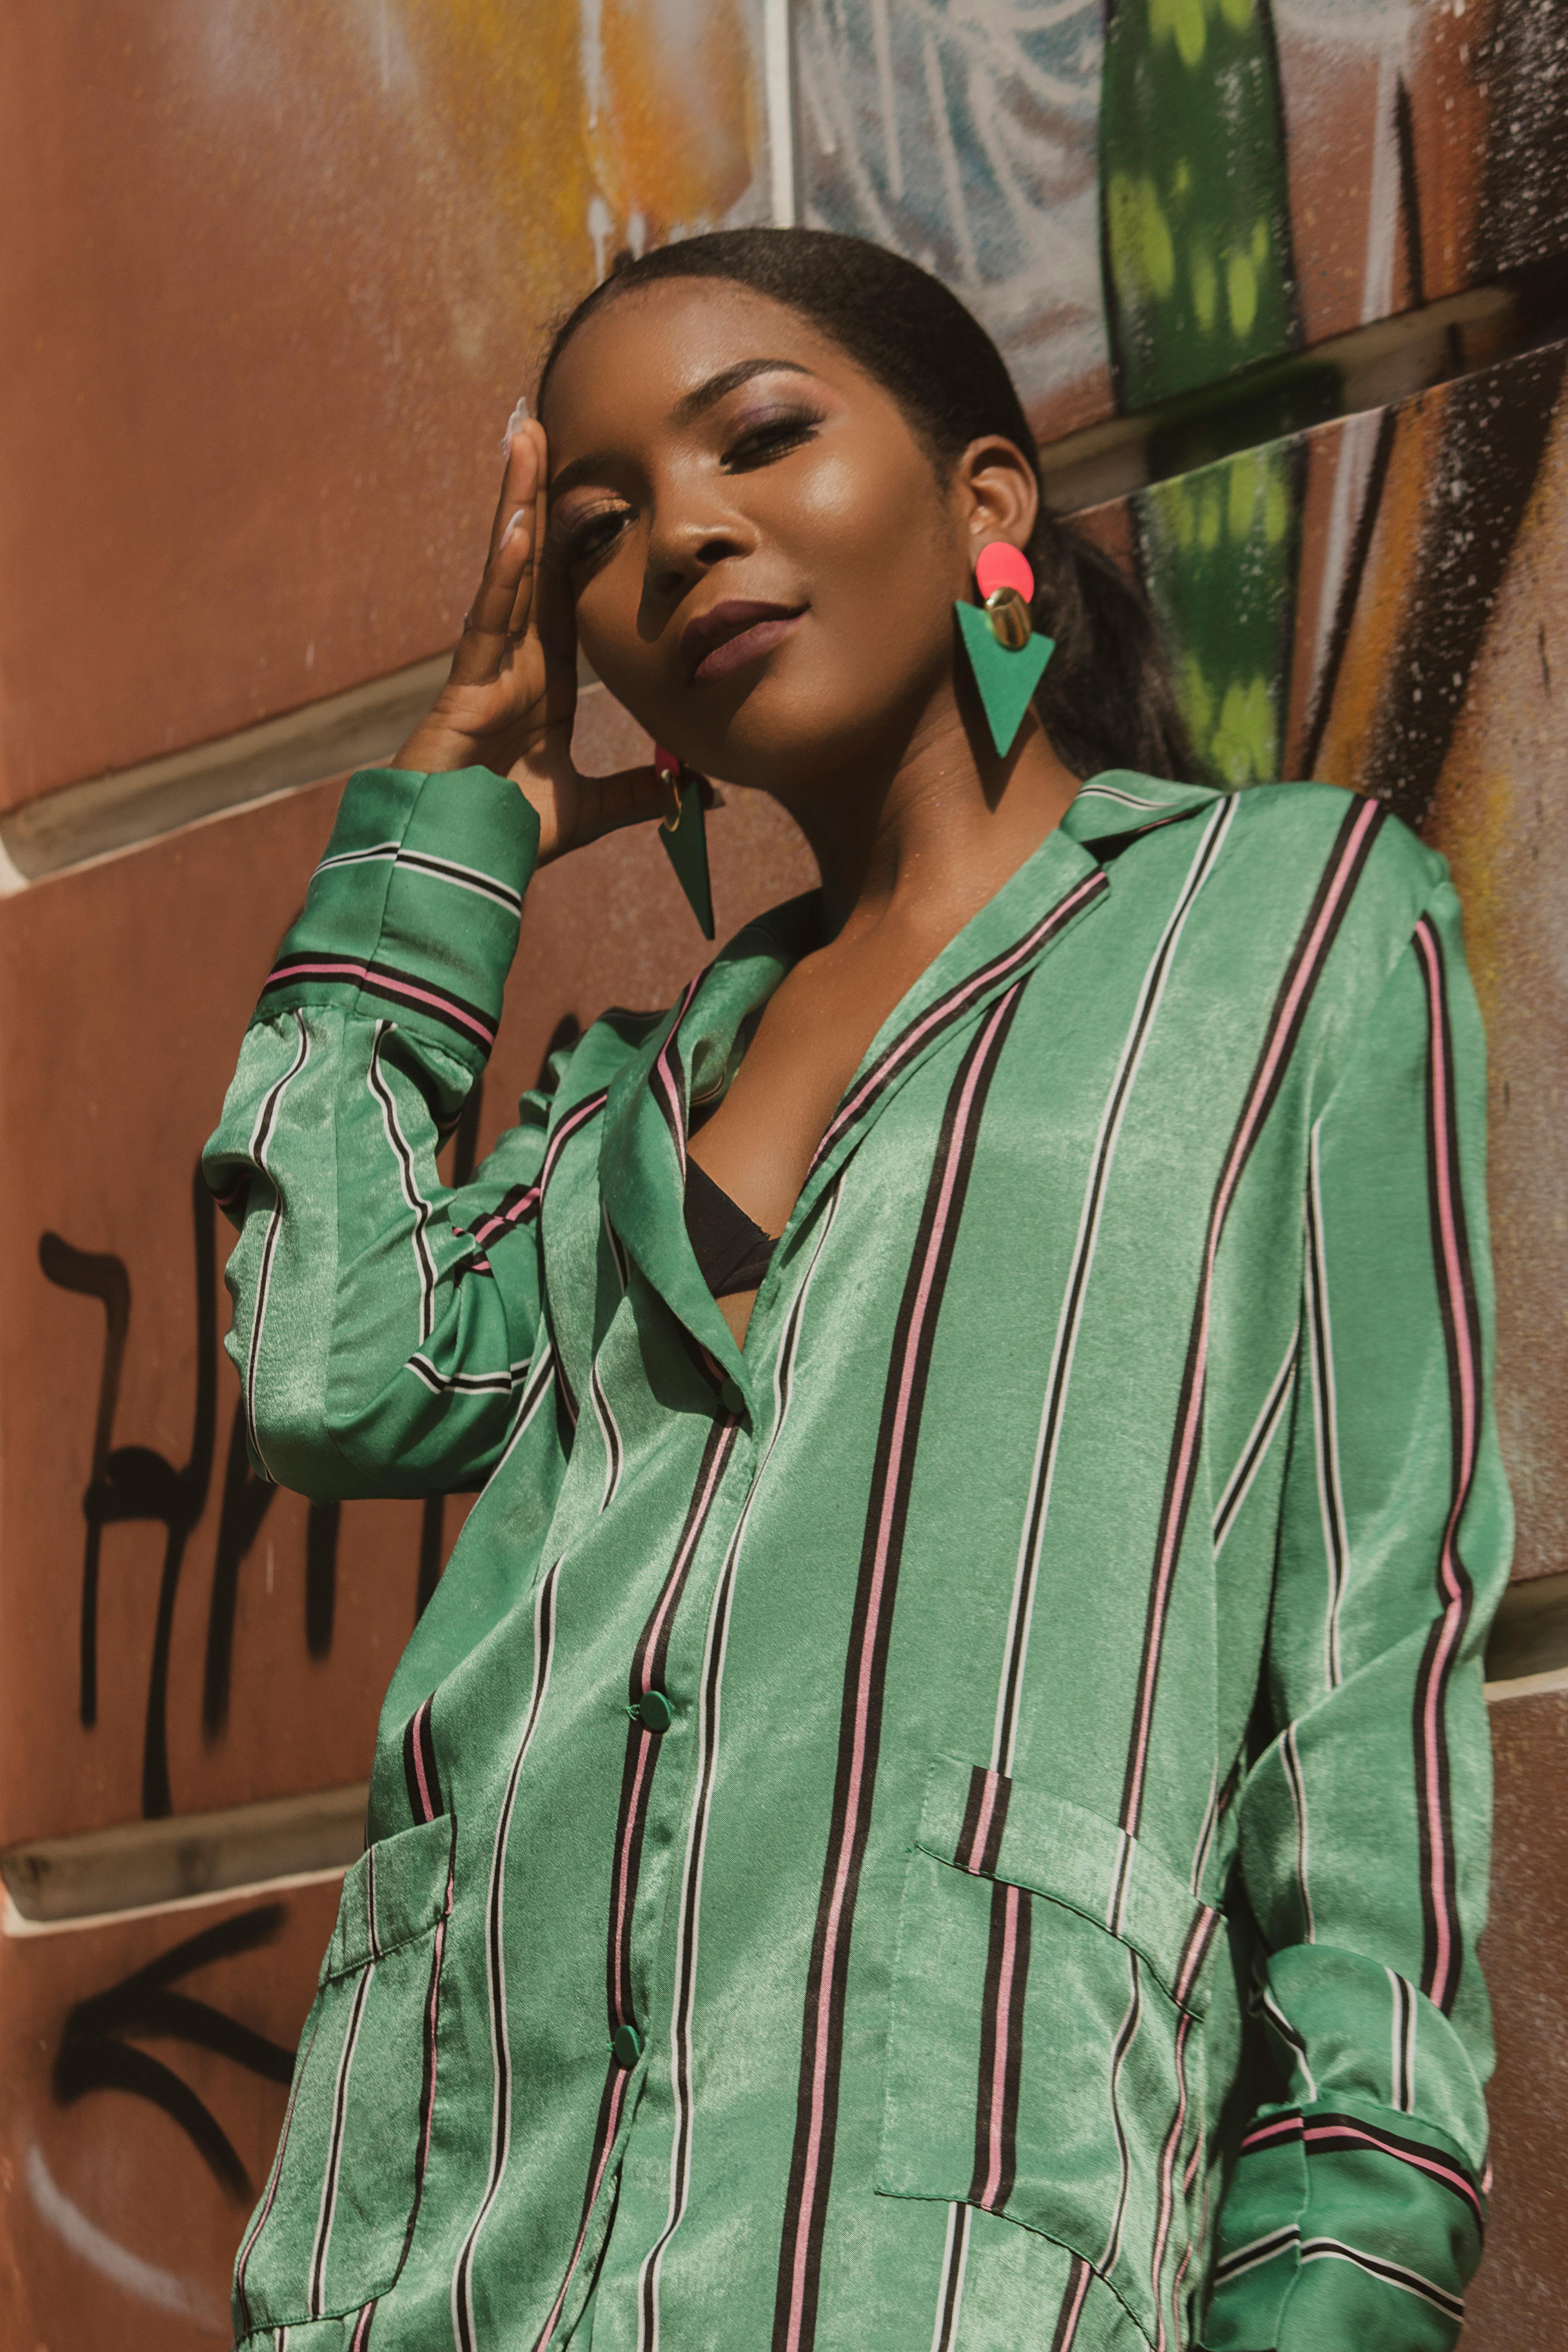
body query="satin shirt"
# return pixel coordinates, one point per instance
(962, 1825)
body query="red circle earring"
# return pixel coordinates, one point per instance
(1007, 583)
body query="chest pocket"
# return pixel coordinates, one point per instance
(331, 2231)
(1044, 2057)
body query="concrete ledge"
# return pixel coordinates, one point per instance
(142, 1864)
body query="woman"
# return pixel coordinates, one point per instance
(942, 1798)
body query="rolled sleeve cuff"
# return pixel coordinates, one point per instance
(1344, 2229)
(413, 914)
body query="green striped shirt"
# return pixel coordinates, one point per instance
(962, 1825)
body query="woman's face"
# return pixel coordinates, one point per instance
(762, 559)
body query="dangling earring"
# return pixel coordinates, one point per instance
(684, 833)
(1005, 654)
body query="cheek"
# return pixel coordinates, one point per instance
(868, 538)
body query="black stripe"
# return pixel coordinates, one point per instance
(956, 2247)
(1447, 1143)
(1420, 2152)
(426, 1736)
(1013, 2057)
(648, 1668)
(419, 1749)
(381, 980)
(1151, 988)
(994, 1953)
(430, 2022)
(1072, 2309)
(970, 990)
(1180, 1483)
(979, 1059)
(1323, 1369)
(1412, 2282)
(968, 1830)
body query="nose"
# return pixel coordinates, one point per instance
(691, 532)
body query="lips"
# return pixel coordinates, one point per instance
(733, 633)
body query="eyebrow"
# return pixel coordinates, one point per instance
(687, 410)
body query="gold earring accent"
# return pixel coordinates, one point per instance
(1011, 624)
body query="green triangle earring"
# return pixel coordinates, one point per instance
(684, 833)
(1006, 656)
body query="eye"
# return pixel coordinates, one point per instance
(770, 437)
(585, 536)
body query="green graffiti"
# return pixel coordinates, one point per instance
(1195, 224)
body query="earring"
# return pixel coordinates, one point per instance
(684, 834)
(1005, 656)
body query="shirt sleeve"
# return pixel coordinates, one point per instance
(382, 1324)
(1352, 2217)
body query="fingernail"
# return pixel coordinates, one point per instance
(518, 416)
(512, 525)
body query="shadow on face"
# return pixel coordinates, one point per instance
(761, 554)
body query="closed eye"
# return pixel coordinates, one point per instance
(585, 536)
(773, 437)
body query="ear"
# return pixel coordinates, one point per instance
(996, 493)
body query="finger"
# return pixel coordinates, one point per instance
(488, 624)
(609, 803)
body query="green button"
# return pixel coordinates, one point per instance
(626, 2045)
(733, 1396)
(655, 1712)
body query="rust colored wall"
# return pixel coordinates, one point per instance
(277, 275)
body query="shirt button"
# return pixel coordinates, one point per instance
(733, 1397)
(655, 1712)
(625, 2045)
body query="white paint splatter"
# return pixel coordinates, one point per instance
(182, 2298)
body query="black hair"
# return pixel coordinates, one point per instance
(1106, 699)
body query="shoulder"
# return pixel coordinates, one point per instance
(1367, 855)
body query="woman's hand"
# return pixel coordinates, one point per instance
(510, 700)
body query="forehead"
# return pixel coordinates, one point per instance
(632, 362)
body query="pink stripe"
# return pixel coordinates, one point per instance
(340, 970)
(1304, 974)
(946, 1011)
(1448, 1226)
(1455, 2178)
(422, 1717)
(1070, 2332)
(663, 1069)
(982, 1826)
(618, 2096)
(863, 1676)
(1197, 1946)
(999, 2047)
(1286, 2128)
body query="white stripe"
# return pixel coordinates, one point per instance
(1331, 2250)
(1325, 1414)
(1150, 995)
(1260, 1441)
(329, 2206)
(467, 1384)
(1114, 792)
(1256, 2251)
(715, 1650)
(956, 2250)
(1298, 1781)
(495, 1952)
(1289, 2034)
(416, 1201)
(527, 1405)
(261, 1136)
(1126, 2035)
(1403, 2071)
(608, 1432)
(442, 869)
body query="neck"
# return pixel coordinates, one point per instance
(939, 831)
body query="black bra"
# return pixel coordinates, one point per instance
(731, 1250)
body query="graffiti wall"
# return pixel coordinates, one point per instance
(1287, 290)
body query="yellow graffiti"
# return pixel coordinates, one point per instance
(1241, 293)
(1142, 252)
(1206, 284)
(1242, 746)
(1241, 500)
(1183, 22)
